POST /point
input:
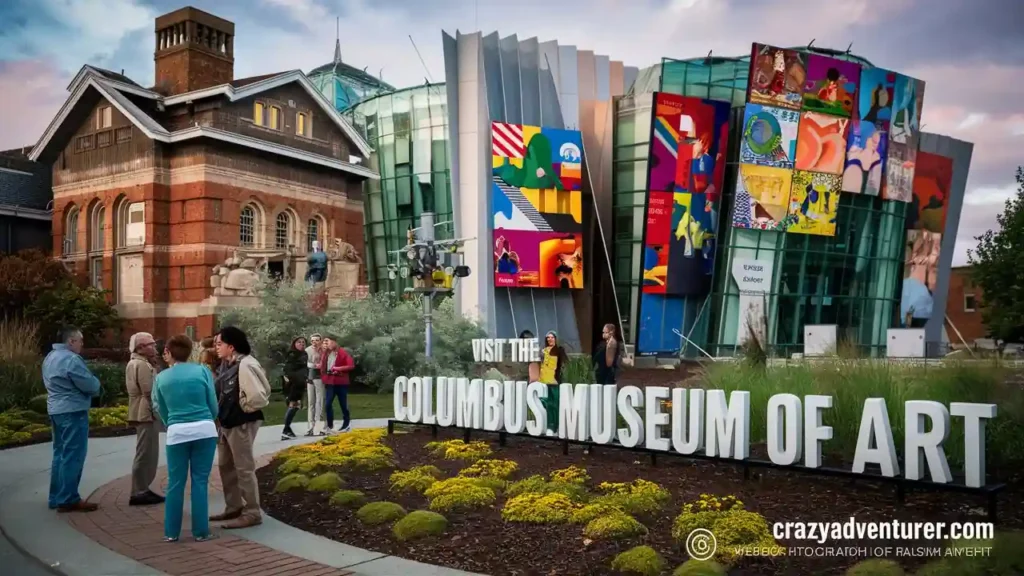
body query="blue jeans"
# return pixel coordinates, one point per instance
(70, 443)
(195, 457)
(341, 393)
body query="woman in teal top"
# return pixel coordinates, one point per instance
(187, 404)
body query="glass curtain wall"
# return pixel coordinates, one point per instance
(408, 132)
(851, 279)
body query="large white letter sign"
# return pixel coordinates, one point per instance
(687, 431)
(655, 419)
(874, 426)
(401, 383)
(631, 398)
(814, 431)
(974, 416)
(469, 403)
(492, 405)
(534, 392)
(728, 425)
(415, 399)
(515, 406)
(602, 413)
(573, 420)
(428, 400)
(785, 440)
(918, 440)
(446, 401)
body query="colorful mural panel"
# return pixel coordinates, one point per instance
(777, 77)
(821, 143)
(920, 276)
(876, 96)
(687, 169)
(537, 206)
(762, 198)
(899, 172)
(831, 85)
(769, 136)
(906, 110)
(814, 202)
(864, 170)
(933, 180)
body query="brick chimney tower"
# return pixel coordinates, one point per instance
(194, 50)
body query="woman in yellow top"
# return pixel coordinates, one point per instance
(553, 358)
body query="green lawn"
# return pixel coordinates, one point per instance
(361, 406)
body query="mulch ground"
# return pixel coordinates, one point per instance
(98, 432)
(482, 542)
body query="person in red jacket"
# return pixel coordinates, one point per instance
(335, 365)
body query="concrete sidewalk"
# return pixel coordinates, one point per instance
(54, 540)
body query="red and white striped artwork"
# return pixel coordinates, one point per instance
(507, 140)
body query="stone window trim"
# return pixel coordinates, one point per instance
(97, 225)
(70, 237)
(251, 225)
(283, 228)
(120, 223)
(970, 303)
(304, 124)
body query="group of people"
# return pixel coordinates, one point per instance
(607, 358)
(207, 408)
(320, 369)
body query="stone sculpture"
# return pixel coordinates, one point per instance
(343, 276)
(235, 277)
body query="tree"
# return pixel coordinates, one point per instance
(998, 267)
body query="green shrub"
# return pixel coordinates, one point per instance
(537, 484)
(638, 497)
(500, 469)
(37, 403)
(535, 508)
(700, 568)
(459, 493)
(292, 482)
(591, 511)
(459, 450)
(642, 560)
(875, 567)
(733, 529)
(614, 526)
(348, 498)
(415, 480)
(326, 482)
(22, 380)
(420, 524)
(571, 475)
(578, 370)
(945, 567)
(109, 417)
(376, 513)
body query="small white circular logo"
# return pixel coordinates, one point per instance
(701, 544)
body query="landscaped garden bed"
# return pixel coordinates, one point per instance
(528, 509)
(23, 427)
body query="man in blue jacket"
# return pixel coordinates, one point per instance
(70, 387)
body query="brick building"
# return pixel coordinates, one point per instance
(153, 187)
(963, 307)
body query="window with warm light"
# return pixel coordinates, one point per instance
(257, 114)
(275, 118)
(104, 118)
(302, 125)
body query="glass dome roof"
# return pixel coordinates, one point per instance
(346, 85)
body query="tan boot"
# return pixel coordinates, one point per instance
(243, 522)
(226, 515)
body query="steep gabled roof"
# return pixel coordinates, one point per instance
(115, 90)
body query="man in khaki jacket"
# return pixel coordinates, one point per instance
(243, 391)
(138, 377)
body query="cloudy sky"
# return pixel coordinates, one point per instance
(969, 52)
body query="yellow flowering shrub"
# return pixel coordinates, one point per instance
(553, 508)
(459, 450)
(593, 511)
(642, 560)
(112, 416)
(360, 449)
(416, 479)
(711, 503)
(459, 493)
(637, 497)
(537, 484)
(491, 469)
(734, 528)
(571, 475)
(614, 526)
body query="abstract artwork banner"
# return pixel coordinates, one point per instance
(536, 188)
(525, 259)
(920, 277)
(814, 202)
(769, 136)
(821, 143)
(689, 138)
(877, 87)
(866, 152)
(777, 77)
(933, 180)
(831, 86)
(762, 198)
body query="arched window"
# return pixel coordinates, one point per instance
(71, 232)
(312, 233)
(247, 227)
(130, 224)
(275, 118)
(98, 221)
(282, 230)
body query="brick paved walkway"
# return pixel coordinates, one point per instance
(137, 532)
